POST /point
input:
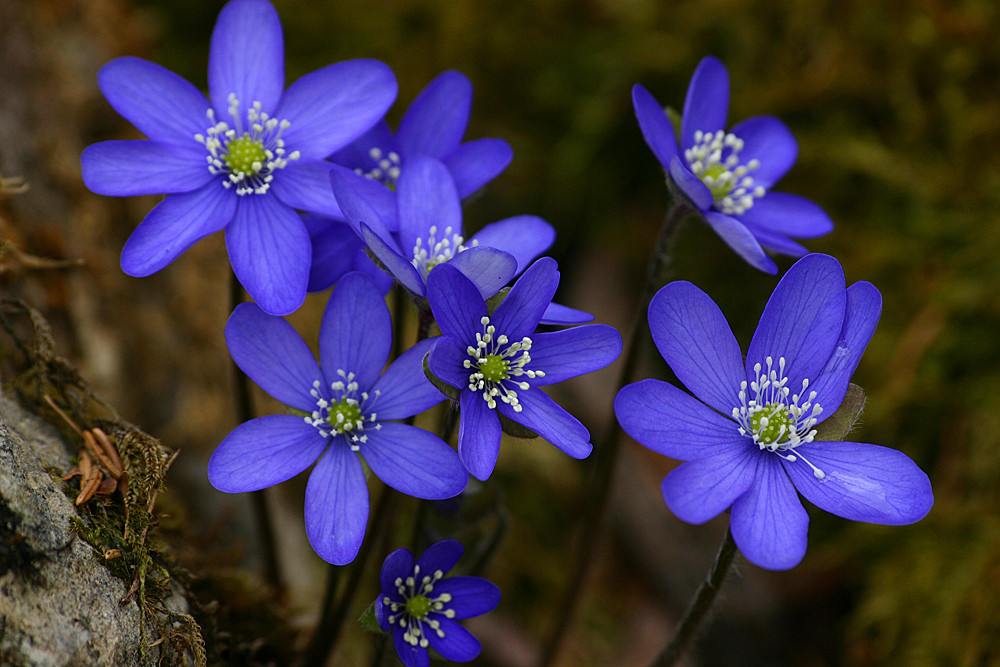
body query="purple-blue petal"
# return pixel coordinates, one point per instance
(441, 556)
(656, 127)
(270, 252)
(768, 140)
(403, 389)
(263, 452)
(161, 104)
(355, 335)
(397, 565)
(695, 340)
(174, 225)
(446, 359)
(478, 435)
(246, 58)
(802, 320)
(737, 236)
(436, 120)
(334, 105)
(661, 417)
(550, 421)
(864, 306)
(426, 197)
(470, 596)
(456, 303)
(769, 524)
(273, 355)
(707, 102)
(518, 314)
(862, 482)
(476, 163)
(488, 268)
(414, 461)
(334, 246)
(788, 214)
(525, 237)
(128, 168)
(400, 268)
(690, 185)
(409, 655)
(701, 489)
(305, 185)
(571, 352)
(564, 315)
(457, 644)
(337, 504)
(775, 242)
(357, 154)
(364, 200)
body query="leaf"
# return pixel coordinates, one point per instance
(843, 420)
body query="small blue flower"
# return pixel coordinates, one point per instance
(728, 175)
(430, 231)
(241, 161)
(748, 436)
(499, 363)
(348, 403)
(433, 126)
(421, 606)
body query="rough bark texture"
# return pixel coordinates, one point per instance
(59, 605)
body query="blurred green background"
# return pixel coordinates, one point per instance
(896, 107)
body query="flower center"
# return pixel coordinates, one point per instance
(386, 169)
(418, 606)
(715, 159)
(246, 157)
(773, 417)
(426, 257)
(341, 413)
(416, 609)
(494, 361)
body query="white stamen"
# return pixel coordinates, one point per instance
(344, 412)
(715, 160)
(264, 133)
(795, 414)
(426, 257)
(491, 350)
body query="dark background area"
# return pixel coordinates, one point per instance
(896, 107)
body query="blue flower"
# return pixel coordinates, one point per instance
(499, 363)
(242, 160)
(421, 606)
(748, 436)
(348, 403)
(433, 126)
(430, 231)
(728, 175)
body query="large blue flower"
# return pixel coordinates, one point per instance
(430, 231)
(421, 606)
(241, 161)
(748, 436)
(728, 175)
(499, 363)
(349, 404)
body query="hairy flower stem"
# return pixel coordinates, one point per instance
(699, 605)
(258, 499)
(601, 466)
(324, 638)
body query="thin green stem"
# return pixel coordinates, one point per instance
(258, 499)
(597, 487)
(700, 604)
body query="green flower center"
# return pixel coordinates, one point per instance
(345, 415)
(715, 159)
(771, 423)
(245, 155)
(418, 606)
(494, 368)
(718, 187)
